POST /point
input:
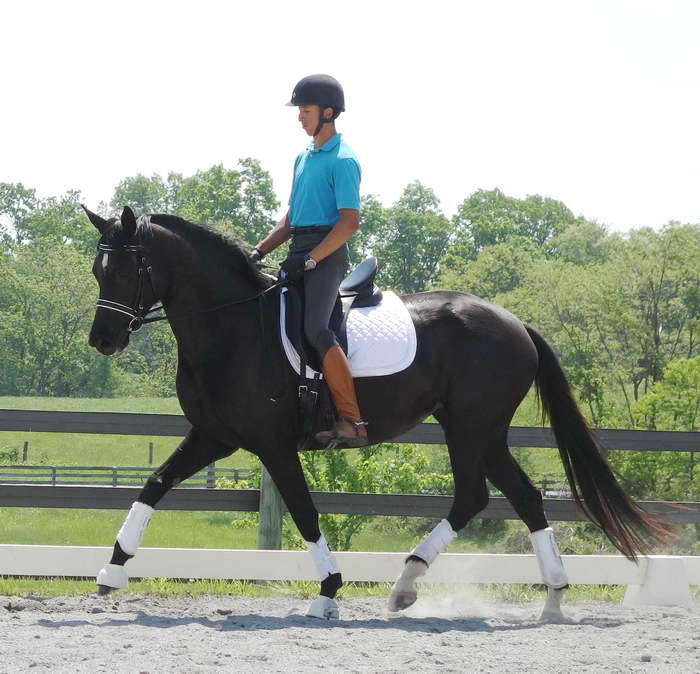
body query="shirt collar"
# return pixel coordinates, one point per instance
(332, 142)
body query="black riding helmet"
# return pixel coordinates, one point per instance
(322, 90)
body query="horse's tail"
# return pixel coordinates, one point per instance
(593, 485)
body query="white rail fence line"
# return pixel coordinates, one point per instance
(656, 579)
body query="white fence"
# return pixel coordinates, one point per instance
(656, 579)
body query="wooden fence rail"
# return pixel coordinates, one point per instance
(345, 503)
(122, 423)
(110, 475)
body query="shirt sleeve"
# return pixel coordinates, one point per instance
(347, 183)
(294, 177)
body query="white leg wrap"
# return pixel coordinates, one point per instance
(436, 541)
(323, 607)
(114, 576)
(322, 558)
(551, 567)
(131, 533)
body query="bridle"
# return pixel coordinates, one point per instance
(137, 312)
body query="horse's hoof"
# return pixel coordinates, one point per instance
(552, 607)
(104, 590)
(324, 608)
(398, 601)
(552, 616)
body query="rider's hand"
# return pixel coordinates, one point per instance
(296, 264)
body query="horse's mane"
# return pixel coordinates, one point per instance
(224, 250)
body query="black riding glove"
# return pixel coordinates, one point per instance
(296, 264)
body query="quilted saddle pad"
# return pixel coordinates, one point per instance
(381, 339)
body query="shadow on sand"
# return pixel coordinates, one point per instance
(251, 622)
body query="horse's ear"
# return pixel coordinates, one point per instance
(128, 220)
(100, 223)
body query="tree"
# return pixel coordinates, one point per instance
(239, 201)
(673, 403)
(487, 218)
(497, 269)
(414, 240)
(47, 299)
(374, 224)
(16, 203)
(146, 195)
(618, 323)
(583, 242)
(61, 219)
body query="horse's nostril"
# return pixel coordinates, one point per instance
(102, 344)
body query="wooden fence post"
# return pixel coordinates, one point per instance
(211, 475)
(271, 512)
(150, 453)
(25, 451)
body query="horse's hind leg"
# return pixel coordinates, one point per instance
(507, 476)
(194, 453)
(466, 443)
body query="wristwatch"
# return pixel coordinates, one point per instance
(256, 255)
(309, 263)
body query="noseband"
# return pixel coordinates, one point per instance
(136, 312)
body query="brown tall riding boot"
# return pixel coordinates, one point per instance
(349, 429)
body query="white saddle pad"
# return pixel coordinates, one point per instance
(381, 339)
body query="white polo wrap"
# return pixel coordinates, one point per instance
(323, 558)
(131, 533)
(436, 541)
(548, 558)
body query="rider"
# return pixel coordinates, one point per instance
(323, 214)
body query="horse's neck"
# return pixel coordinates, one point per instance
(192, 285)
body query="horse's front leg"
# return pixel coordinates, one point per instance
(194, 453)
(288, 476)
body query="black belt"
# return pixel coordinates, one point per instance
(311, 229)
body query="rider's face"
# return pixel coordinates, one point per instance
(309, 116)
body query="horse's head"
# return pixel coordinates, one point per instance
(121, 272)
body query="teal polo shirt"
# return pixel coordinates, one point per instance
(326, 179)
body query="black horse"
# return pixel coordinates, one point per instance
(474, 364)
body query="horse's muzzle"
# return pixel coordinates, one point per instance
(105, 345)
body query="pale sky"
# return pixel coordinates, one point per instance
(592, 103)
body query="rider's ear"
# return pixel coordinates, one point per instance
(128, 221)
(100, 223)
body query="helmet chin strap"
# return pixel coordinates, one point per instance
(323, 120)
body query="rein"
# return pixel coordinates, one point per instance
(138, 313)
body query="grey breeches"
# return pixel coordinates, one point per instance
(320, 289)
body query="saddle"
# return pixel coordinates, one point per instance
(357, 290)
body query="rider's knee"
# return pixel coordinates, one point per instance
(322, 340)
